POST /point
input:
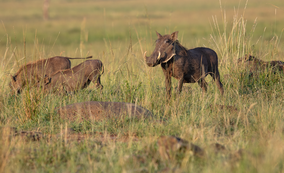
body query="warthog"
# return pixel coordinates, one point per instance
(169, 146)
(33, 72)
(188, 66)
(96, 111)
(76, 78)
(255, 64)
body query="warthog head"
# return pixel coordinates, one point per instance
(247, 58)
(164, 50)
(15, 84)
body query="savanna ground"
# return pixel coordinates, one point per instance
(117, 33)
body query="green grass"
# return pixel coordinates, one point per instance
(117, 33)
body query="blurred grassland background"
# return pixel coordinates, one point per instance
(102, 28)
(120, 20)
(118, 32)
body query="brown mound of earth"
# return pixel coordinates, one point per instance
(96, 111)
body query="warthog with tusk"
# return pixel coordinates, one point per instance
(186, 65)
(76, 78)
(31, 73)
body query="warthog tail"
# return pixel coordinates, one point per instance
(102, 70)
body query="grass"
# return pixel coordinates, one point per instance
(118, 33)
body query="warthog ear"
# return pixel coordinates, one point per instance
(251, 58)
(174, 35)
(158, 34)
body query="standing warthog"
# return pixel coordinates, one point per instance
(76, 78)
(188, 66)
(33, 72)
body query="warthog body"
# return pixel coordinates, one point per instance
(76, 78)
(96, 111)
(255, 64)
(188, 66)
(33, 72)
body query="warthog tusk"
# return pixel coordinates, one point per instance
(169, 58)
(144, 56)
(159, 55)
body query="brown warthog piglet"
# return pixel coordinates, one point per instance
(78, 77)
(186, 65)
(254, 64)
(33, 72)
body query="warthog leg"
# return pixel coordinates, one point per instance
(98, 83)
(216, 78)
(168, 83)
(180, 83)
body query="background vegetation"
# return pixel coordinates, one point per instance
(118, 32)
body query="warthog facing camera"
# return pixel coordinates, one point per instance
(188, 66)
(76, 78)
(33, 72)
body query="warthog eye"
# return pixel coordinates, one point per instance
(168, 41)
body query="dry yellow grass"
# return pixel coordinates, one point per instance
(117, 32)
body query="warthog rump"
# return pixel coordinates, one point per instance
(188, 66)
(95, 111)
(76, 78)
(32, 72)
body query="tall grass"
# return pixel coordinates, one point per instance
(231, 38)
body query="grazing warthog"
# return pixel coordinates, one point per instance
(188, 66)
(96, 111)
(255, 64)
(33, 72)
(76, 78)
